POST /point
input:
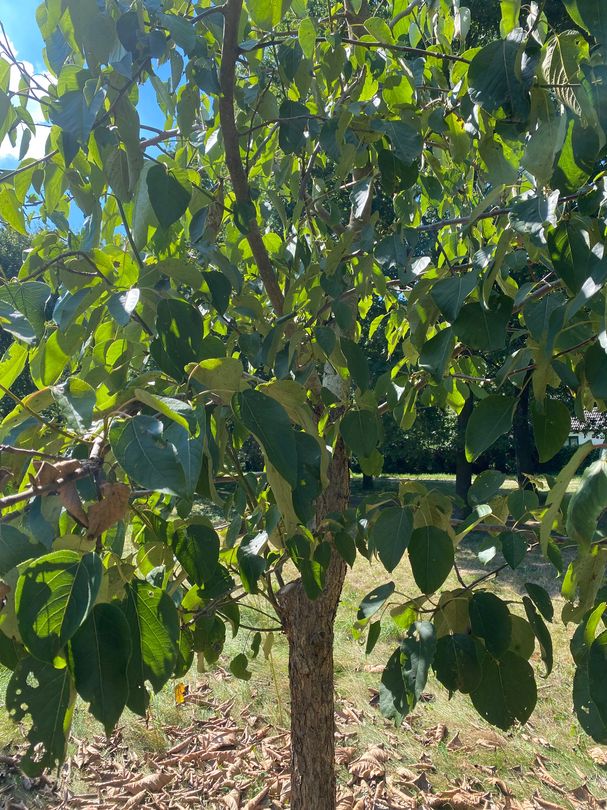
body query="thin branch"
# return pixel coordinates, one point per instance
(208, 12)
(47, 489)
(240, 183)
(22, 451)
(15, 172)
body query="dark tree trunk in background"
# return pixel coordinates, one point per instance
(524, 446)
(368, 482)
(309, 629)
(463, 467)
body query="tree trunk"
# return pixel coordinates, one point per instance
(368, 483)
(463, 467)
(523, 440)
(309, 628)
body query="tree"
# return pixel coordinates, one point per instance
(215, 293)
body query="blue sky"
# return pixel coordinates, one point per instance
(19, 20)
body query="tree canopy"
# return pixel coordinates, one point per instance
(215, 293)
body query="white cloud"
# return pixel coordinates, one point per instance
(38, 140)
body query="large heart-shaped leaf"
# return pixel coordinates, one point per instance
(99, 656)
(154, 631)
(54, 595)
(45, 694)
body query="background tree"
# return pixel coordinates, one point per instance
(215, 296)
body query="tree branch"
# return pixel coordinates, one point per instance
(240, 183)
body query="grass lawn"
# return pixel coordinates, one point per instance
(549, 755)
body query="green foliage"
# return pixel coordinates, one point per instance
(322, 186)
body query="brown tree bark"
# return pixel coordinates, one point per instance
(309, 628)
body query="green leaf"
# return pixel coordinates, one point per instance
(390, 535)
(490, 620)
(404, 678)
(12, 363)
(99, 656)
(197, 549)
(181, 30)
(28, 299)
(143, 452)
(189, 451)
(541, 599)
(404, 135)
(179, 337)
(266, 14)
(10, 210)
(251, 562)
(358, 365)
(541, 633)
(239, 667)
(485, 486)
(551, 426)
(597, 671)
(168, 198)
(75, 114)
(436, 353)
(375, 600)
(359, 429)
(45, 694)
(54, 595)
(570, 254)
(531, 212)
(557, 493)
(586, 709)
(595, 368)
(510, 14)
(309, 484)
(154, 631)
(507, 692)
(294, 118)
(306, 34)
(372, 637)
(457, 663)
(587, 504)
(490, 419)
(11, 651)
(75, 400)
(269, 422)
(514, 548)
(185, 653)
(564, 54)
(522, 641)
(16, 547)
(431, 556)
(493, 79)
(221, 375)
(481, 328)
(450, 293)
(590, 15)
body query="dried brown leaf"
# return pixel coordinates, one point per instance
(435, 735)
(598, 755)
(47, 473)
(371, 764)
(108, 511)
(232, 800)
(458, 799)
(455, 743)
(69, 497)
(152, 782)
